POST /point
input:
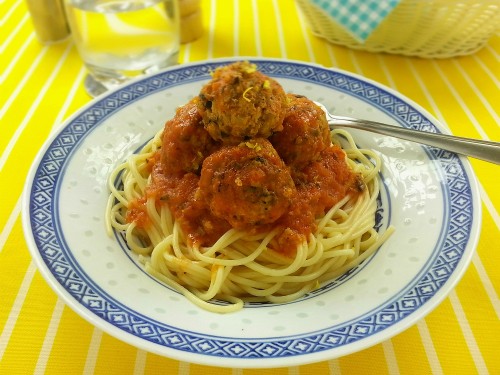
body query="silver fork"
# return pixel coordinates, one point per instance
(476, 148)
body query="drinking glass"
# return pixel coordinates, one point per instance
(122, 39)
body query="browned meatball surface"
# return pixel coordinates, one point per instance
(247, 184)
(305, 132)
(240, 103)
(185, 142)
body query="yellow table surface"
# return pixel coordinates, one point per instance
(42, 85)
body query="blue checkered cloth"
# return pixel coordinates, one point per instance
(359, 17)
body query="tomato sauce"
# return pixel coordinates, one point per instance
(137, 212)
(178, 192)
(319, 186)
(216, 172)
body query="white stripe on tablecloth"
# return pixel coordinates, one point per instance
(334, 367)
(11, 10)
(48, 341)
(93, 352)
(7, 229)
(293, 370)
(279, 25)
(487, 284)
(386, 71)
(236, 28)
(12, 35)
(211, 29)
(26, 78)
(474, 88)
(16, 58)
(305, 33)
(184, 368)
(429, 348)
(69, 98)
(355, 62)
(487, 70)
(140, 362)
(492, 51)
(331, 55)
(187, 52)
(256, 29)
(427, 94)
(476, 260)
(33, 108)
(16, 308)
(489, 205)
(390, 357)
(462, 103)
(470, 340)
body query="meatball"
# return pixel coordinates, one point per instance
(325, 182)
(305, 132)
(240, 103)
(185, 142)
(248, 185)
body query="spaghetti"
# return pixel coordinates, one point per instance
(188, 228)
(241, 265)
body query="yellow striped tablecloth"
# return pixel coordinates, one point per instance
(41, 85)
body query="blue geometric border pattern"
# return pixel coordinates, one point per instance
(59, 260)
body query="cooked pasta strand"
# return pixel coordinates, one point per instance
(239, 266)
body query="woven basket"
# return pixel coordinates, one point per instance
(424, 28)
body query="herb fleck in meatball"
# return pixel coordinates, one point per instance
(247, 184)
(185, 143)
(305, 132)
(240, 103)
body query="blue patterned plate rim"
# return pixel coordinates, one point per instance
(458, 238)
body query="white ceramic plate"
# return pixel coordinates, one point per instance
(429, 195)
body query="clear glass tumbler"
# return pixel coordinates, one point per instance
(122, 39)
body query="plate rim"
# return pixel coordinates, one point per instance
(106, 326)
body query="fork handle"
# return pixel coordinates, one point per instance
(479, 149)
